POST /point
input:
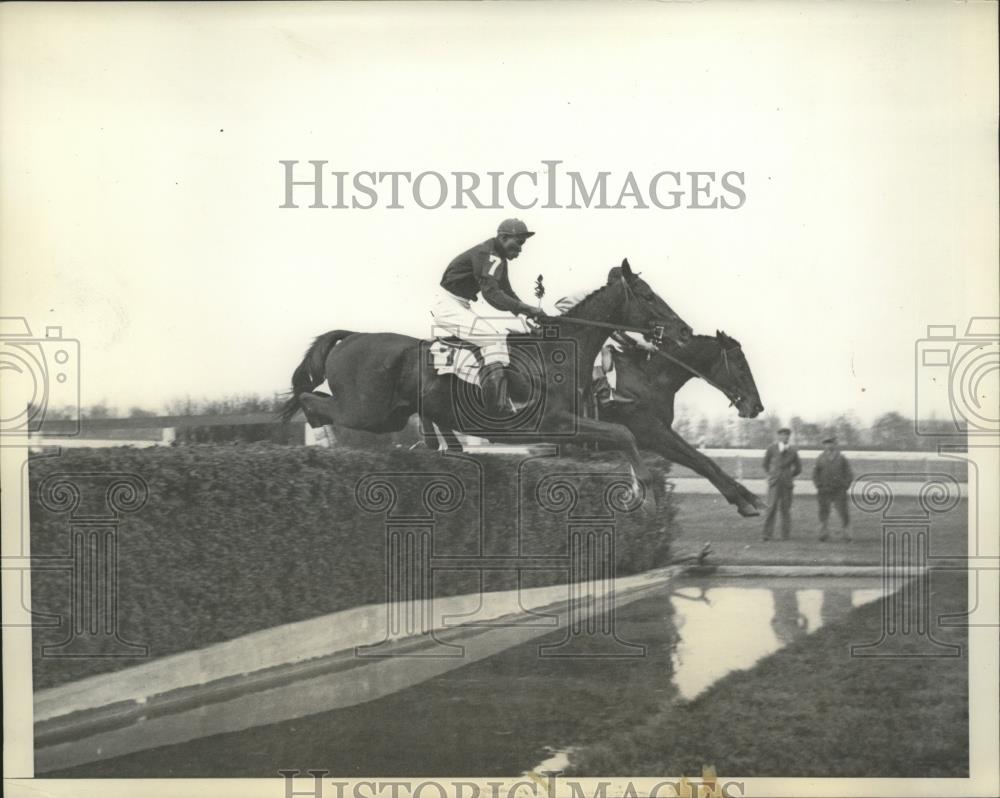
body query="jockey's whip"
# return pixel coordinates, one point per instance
(539, 290)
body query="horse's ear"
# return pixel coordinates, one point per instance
(626, 269)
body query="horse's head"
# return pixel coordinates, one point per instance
(732, 374)
(645, 308)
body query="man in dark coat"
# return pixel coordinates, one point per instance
(782, 465)
(832, 476)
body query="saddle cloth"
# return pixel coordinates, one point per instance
(453, 356)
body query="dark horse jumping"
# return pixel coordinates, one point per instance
(379, 380)
(653, 380)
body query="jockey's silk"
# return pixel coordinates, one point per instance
(483, 268)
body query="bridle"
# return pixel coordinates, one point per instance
(731, 395)
(655, 332)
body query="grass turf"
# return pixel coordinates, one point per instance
(809, 710)
(813, 710)
(708, 518)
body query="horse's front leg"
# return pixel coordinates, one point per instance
(428, 435)
(672, 446)
(613, 436)
(434, 426)
(451, 439)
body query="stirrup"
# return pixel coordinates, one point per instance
(614, 398)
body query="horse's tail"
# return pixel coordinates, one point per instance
(312, 370)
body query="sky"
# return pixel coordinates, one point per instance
(141, 184)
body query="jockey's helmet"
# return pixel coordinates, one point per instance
(514, 227)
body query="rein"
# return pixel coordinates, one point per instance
(655, 331)
(725, 359)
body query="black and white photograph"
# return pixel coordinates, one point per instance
(500, 399)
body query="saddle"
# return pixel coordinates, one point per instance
(452, 355)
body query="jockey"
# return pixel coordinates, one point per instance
(604, 375)
(483, 269)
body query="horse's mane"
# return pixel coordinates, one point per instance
(573, 312)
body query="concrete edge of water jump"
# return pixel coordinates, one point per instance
(789, 570)
(684, 484)
(290, 645)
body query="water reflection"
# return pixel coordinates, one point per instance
(504, 707)
(837, 602)
(787, 622)
(732, 626)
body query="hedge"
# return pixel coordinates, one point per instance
(234, 539)
(241, 433)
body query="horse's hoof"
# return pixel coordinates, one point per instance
(747, 511)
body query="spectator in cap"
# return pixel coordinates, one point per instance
(782, 465)
(483, 270)
(833, 477)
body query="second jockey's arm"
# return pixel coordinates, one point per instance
(628, 341)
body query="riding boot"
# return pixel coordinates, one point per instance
(606, 394)
(615, 398)
(493, 379)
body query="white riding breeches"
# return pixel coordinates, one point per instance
(484, 326)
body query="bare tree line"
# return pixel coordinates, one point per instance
(889, 431)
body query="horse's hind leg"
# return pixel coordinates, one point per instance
(318, 408)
